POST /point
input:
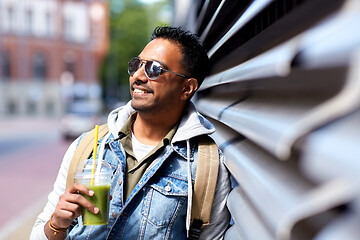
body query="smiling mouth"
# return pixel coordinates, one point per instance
(138, 91)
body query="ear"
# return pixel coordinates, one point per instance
(189, 88)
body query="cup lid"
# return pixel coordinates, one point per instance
(84, 169)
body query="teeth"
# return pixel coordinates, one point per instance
(138, 91)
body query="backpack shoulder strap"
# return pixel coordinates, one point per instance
(83, 151)
(205, 182)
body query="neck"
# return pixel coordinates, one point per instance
(151, 130)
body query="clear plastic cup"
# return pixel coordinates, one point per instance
(101, 188)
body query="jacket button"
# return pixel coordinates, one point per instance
(120, 181)
(114, 214)
(168, 188)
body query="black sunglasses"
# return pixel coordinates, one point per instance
(152, 68)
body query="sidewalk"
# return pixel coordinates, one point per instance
(20, 227)
(23, 233)
(32, 151)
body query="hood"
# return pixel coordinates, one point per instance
(191, 125)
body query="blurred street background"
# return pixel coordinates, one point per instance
(63, 67)
(283, 93)
(31, 151)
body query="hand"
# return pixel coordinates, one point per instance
(70, 205)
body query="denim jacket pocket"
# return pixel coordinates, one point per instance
(165, 201)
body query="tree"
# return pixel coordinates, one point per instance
(131, 24)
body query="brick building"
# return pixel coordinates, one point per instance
(50, 53)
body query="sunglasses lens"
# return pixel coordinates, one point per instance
(133, 65)
(152, 69)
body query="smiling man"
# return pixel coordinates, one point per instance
(152, 146)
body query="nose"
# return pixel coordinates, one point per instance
(140, 73)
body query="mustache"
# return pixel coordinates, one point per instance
(143, 86)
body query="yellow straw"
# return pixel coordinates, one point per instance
(94, 155)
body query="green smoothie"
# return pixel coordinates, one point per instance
(101, 200)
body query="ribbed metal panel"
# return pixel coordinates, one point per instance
(284, 95)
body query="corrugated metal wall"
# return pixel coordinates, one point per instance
(284, 94)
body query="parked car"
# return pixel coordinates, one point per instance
(80, 117)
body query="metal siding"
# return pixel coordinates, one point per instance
(284, 95)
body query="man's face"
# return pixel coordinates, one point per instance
(162, 95)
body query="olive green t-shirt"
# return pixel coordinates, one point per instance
(135, 168)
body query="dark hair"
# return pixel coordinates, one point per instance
(195, 59)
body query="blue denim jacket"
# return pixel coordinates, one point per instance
(151, 211)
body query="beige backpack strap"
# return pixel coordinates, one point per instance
(83, 151)
(205, 181)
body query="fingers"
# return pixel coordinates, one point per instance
(73, 195)
(65, 213)
(79, 188)
(71, 203)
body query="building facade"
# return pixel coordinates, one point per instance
(50, 53)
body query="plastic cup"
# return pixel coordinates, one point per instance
(101, 188)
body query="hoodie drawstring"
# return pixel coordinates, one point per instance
(190, 191)
(102, 146)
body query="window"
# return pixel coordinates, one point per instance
(70, 66)
(68, 29)
(31, 107)
(4, 65)
(10, 19)
(48, 23)
(28, 22)
(39, 66)
(50, 108)
(11, 107)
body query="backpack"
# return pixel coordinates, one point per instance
(205, 178)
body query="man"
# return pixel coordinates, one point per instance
(150, 143)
